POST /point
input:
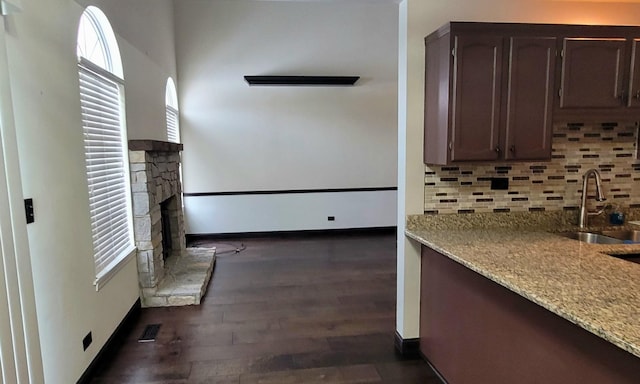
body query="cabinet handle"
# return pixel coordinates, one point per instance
(498, 150)
(637, 95)
(512, 149)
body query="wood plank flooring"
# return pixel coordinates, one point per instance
(284, 310)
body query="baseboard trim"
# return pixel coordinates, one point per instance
(407, 348)
(114, 342)
(292, 234)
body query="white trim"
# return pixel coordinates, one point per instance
(8, 369)
(16, 258)
(410, 171)
(107, 38)
(102, 280)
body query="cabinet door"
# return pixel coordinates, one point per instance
(634, 79)
(529, 98)
(436, 119)
(592, 73)
(477, 69)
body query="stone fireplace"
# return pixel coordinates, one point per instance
(169, 273)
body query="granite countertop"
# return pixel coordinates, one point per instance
(575, 280)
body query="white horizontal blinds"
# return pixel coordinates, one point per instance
(173, 132)
(102, 120)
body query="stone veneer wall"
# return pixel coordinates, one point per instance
(539, 186)
(154, 179)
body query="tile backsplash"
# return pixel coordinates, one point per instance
(550, 185)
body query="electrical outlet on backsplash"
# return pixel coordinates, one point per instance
(544, 186)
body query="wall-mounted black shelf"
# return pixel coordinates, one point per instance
(302, 80)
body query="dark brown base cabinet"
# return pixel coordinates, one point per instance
(473, 330)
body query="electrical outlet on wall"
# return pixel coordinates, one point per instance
(500, 183)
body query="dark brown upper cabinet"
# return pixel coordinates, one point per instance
(492, 90)
(599, 73)
(593, 73)
(477, 84)
(634, 81)
(488, 94)
(529, 98)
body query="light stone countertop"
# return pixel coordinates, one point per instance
(575, 280)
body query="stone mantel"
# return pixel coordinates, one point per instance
(154, 146)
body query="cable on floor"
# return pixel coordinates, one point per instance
(224, 248)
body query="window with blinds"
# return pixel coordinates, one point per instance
(107, 168)
(173, 132)
(105, 146)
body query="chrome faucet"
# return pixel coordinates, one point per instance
(584, 212)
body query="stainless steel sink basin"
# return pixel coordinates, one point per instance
(632, 236)
(592, 238)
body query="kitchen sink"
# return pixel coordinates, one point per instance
(592, 238)
(620, 236)
(630, 236)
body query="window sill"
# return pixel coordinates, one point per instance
(103, 279)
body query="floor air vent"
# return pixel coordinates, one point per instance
(150, 333)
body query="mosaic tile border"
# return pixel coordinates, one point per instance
(544, 186)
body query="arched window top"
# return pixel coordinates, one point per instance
(171, 96)
(97, 42)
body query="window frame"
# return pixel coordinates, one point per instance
(172, 112)
(106, 267)
(173, 130)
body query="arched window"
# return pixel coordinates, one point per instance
(173, 122)
(105, 145)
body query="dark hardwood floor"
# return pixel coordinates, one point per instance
(284, 310)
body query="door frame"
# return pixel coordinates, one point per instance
(20, 353)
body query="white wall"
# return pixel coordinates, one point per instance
(44, 80)
(421, 18)
(241, 138)
(289, 212)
